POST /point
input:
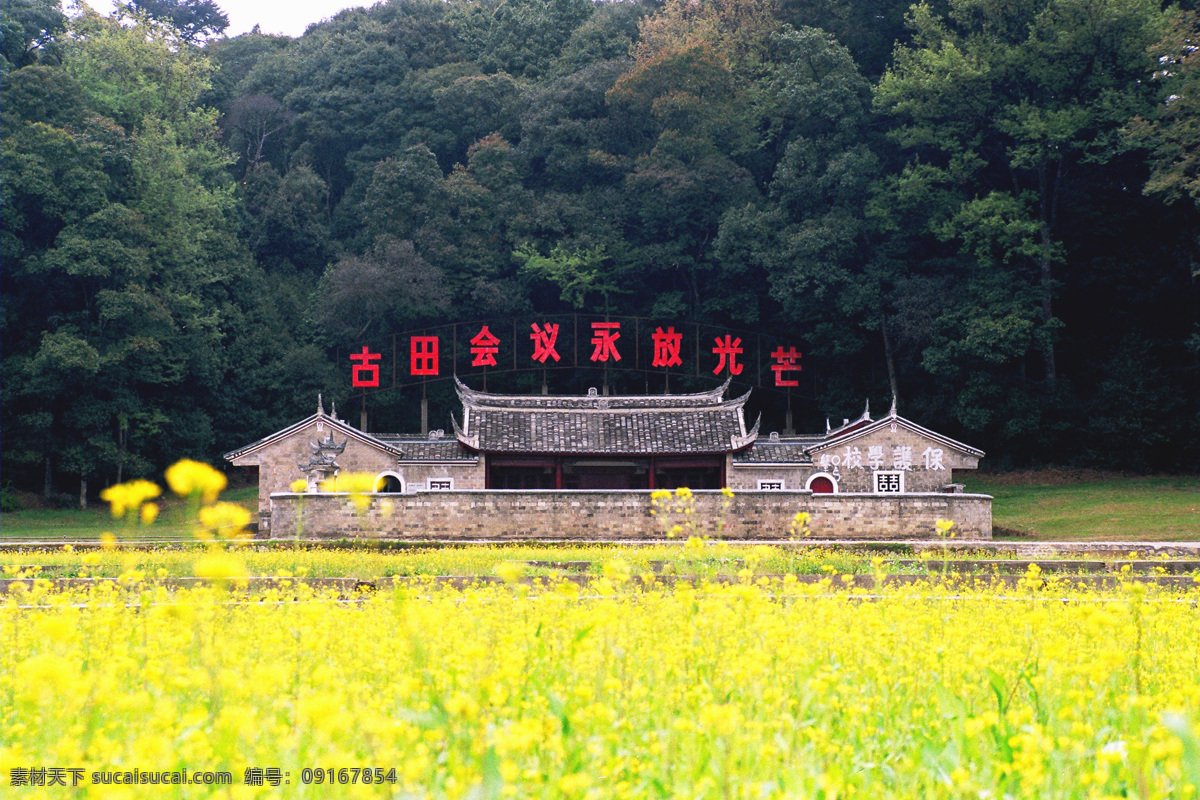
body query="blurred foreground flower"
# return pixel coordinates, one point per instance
(220, 566)
(225, 520)
(187, 478)
(129, 496)
(358, 484)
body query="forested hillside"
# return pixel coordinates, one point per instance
(991, 209)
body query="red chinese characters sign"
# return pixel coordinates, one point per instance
(423, 355)
(484, 347)
(364, 372)
(785, 361)
(667, 351)
(543, 342)
(666, 347)
(604, 340)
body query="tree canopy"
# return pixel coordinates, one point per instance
(989, 210)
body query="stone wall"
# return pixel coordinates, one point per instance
(625, 515)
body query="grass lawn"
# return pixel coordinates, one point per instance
(1052, 506)
(174, 522)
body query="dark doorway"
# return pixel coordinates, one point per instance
(389, 484)
(821, 485)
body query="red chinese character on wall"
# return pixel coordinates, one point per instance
(543, 342)
(728, 350)
(423, 354)
(484, 346)
(785, 361)
(666, 347)
(364, 373)
(605, 341)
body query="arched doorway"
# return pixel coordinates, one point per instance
(389, 483)
(822, 484)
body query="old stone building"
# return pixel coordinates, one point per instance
(595, 452)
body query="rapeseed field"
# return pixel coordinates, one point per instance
(615, 689)
(617, 685)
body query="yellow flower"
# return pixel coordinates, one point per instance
(358, 484)
(189, 477)
(510, 571)
(617, 570)
(299, 485)
(683, 492)
(695, 543)
(107, 540)
(659, 495)
(149, 513)
(130, 495)
(943, 526)
(220, 566)
(226, 520)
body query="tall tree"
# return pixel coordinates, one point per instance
(194, 19)
(1007, 102)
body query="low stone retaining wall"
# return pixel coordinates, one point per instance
(625, 515)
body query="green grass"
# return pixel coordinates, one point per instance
(71, 525)
(1128, 509)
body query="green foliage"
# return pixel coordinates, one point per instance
(29, 33)
(973, 212)
(577, 274)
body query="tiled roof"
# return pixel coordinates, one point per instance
(792, 450)
(595, 424)
(334, 423)
(423, 448)
(592, 400)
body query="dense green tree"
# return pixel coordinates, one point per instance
(998, 239)
(1014, 99)
(29, 33)
(194, 19)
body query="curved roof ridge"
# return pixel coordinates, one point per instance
(709, 398)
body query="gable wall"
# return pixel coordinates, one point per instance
(851, 462)
(278, 463)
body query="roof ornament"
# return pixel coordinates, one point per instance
(828, 429)
(322, 463)
(742, 442)
(774, 437)
(320, 405)
(333, 410)
(892, 412)
(471, 442)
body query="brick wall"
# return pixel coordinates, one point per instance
(624, 515)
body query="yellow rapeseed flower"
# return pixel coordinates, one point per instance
(299, 485)
(129, 496)
(219, 566)
(359, 485)
(189, 477)
(149, 513)
(226, 520)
